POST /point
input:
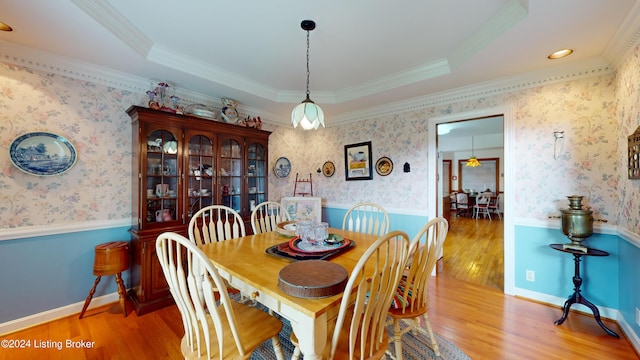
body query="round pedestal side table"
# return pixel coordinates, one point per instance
(111, 258)
(576, 297)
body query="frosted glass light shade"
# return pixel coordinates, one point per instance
(308, 115)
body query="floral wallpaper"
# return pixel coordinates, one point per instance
(98, 187)
(309, 150)
(93, 119)
(588, 163)
(628, 111)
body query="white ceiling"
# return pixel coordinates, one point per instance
(363, 54)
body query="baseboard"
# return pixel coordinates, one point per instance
(630, 334)
(53, 314)
(605, 312)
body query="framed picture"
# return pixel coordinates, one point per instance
(303, 207)
(328, 169)
(384, 166)
(357, 161)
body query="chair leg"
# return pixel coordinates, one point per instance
(397, 339)
(434, 344)
(296, 353)
(277, 347)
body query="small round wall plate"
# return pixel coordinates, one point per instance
(42, 153)
(282, 167)
(328, 169)
(384, 166)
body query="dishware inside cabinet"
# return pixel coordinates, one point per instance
(162, 178)
(231, 175)
(200, 173)
(256, 174)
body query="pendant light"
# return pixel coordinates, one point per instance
(307, 114)
(473, 161)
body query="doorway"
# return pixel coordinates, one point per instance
(435, 187)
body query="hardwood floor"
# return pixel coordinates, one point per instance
(467, 307)
(474, 251)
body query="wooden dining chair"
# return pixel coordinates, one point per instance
(411, 300)
(497, 206)
(367, 218)
(462, 204)
(360, 329)
(215, 223)
(215, 327)
(266, 216)
(482, 206)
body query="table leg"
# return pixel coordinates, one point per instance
(577, 298)
(596, 315)
(312, 336)
(565, 312)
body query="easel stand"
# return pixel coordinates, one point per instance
(302, 191)
(576, 297)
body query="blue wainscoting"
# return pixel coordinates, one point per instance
(554, 269)
(47, 272)
(629, 273)
(409, 223)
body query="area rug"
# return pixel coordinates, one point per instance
(413, 347)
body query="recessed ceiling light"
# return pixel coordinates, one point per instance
(560, 54)
(5, 27)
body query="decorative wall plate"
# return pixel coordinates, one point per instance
(282, 167)
(328, 169)
(42, 153)
(384, 166)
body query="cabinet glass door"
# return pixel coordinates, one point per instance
(230, 174)
(200, 174)
(161, 178)
(256, 174)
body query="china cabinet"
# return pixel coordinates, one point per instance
(181, 164)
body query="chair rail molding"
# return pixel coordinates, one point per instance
(54, 229)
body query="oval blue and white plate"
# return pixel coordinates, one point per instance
(42, 153)
(282, 167)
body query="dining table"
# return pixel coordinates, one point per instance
(246, 265)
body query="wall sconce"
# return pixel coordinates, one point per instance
(558, 142)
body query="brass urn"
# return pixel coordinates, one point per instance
(577, 222)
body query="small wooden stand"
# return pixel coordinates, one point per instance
(111, 258)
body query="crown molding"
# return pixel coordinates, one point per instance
(166, 57)
(625, 39)
(112, 20)
(511, 14)
(51, 63)
(585, 69)
(55, 64)
(117, 24)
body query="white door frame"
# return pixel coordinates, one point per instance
(507, 112)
